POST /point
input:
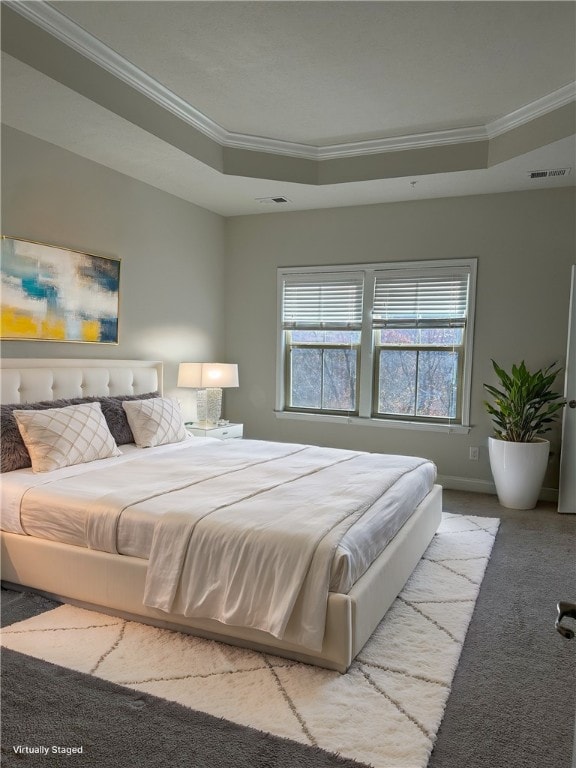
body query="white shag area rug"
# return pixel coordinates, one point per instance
(385, 711)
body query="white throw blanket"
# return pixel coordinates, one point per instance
(258, 554)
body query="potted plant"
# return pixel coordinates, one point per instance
(523, 410)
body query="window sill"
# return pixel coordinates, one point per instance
(451, 429)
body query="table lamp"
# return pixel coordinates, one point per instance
(209, 379)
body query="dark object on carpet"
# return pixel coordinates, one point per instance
(564, 610)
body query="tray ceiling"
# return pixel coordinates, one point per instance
(325, 103)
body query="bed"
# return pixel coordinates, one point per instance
(43, 547)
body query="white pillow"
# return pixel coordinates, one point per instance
(61, 437)
(155, 422)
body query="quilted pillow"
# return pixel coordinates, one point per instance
(155, 422)
(14, 454)
(61, 437)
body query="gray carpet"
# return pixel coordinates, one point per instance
(512, 703)
(513, 699)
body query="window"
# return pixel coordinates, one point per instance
(322, 322)
(388, 342)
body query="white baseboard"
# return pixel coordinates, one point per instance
(485, 486)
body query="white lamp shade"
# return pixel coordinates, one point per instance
(203, 375)
(190, 375)
(219, 375)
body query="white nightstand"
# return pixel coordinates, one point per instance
(228, 432)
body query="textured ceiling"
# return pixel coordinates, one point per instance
(329, 72)
(312, 72)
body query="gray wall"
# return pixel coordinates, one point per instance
(525, 244)
(172, 252)
(195, 286)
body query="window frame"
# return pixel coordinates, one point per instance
(318, 345)
(367, 365)
(376, 414)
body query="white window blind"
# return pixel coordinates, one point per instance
(331, 301)
(435, 300)
(389, 342)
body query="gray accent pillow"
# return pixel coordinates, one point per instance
(14, 454)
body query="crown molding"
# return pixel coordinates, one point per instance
(73, 35)
(400, 143)
(355, 148)
(529, 112)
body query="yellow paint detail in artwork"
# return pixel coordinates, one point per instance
(17, 325)
(90, 330)
(53, 329)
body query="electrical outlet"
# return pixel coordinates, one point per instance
(473, 455)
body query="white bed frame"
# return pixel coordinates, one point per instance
(115, 583)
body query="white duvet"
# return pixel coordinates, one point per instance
(245, 531)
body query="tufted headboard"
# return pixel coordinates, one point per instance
(26, 380)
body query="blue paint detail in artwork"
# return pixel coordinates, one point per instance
(34, 288)
(108, 282)
(104, 274)
(73, 327)
(52, 297)
(108, 329)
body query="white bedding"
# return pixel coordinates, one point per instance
(57, 515)
(69, 505)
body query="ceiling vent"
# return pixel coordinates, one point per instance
(549, 174)
(272, 200)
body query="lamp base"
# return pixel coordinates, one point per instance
(209, 405)
(213, 404)
(200, 405)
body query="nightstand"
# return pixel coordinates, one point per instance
(228, 432)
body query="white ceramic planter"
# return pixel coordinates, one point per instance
(518, 470)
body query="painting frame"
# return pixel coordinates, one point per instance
(55, 293)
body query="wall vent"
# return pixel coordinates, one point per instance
(272, 200)
(549, 173)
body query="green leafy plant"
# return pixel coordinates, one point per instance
(525, 406)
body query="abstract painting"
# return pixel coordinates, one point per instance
(55, 294)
